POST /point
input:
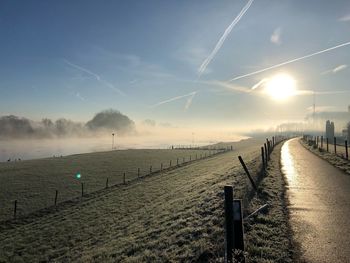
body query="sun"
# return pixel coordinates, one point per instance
(280, 87)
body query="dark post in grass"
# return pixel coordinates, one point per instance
(346, 150)
(56, 194)
(327, 144)
(170, 163)
(190, 157)
(15, 210)
(335, 145)
(268, 146)
(138, 172)
(234, 239)
(82, 189)
(273, 141)
(124, 181)
(231, 148)
(229, 232)
(321, 142)
(150, 169)
(266, 158)
(106, 182)
(263, 158)
(247, 172)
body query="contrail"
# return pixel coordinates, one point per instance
(290, 61)
(82, 69)
(223, 38)
(98, 78)
(188, 103)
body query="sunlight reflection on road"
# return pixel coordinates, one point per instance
(288, 167)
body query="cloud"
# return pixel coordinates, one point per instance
(345, 18)
(79, 96)
(339, 68)
(276, 36)
(96, 76)
(289, 61)
(188, 102)
(335, 70)
(221, 41)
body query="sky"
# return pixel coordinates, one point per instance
(172, 61)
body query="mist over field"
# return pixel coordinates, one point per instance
(22, 138)
(108, 120)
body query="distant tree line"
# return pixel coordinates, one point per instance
(105, 121)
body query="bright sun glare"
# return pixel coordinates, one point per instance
(280, 87)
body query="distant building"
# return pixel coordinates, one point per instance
(329, 130)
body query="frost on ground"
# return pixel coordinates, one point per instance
(175, 216)
(338, 160)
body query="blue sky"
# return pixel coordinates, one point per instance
(74, 58)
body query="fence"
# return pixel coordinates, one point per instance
(338, 149)
(234, 231)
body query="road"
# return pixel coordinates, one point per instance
(319, 196)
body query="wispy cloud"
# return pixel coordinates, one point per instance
(289, 61)
(96, 76)
(345, 18)
(189, 97)
(77, 94)
(276, 36)
(335, 70)
(221, 41)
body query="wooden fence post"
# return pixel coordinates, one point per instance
(106, 182)
(15, 210)
(327, 144)
(56, 194)
(234, 234)
(263, 158)
(247, 172)
(190, 157)
(138, 172)
(150, 169)
(265, 148)
(346, 150)
(321, 142)
(335, 145)
(229, 235)
(124, 181)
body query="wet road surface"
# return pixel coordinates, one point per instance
(319, 196)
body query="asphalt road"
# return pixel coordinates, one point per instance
(319, 196)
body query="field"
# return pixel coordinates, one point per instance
(33, 183)
(175, 216)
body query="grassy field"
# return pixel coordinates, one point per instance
(34, 182)
(176, 216)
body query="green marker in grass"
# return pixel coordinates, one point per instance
(78, 176)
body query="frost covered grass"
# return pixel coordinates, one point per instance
(338, 160)
(174, 216)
